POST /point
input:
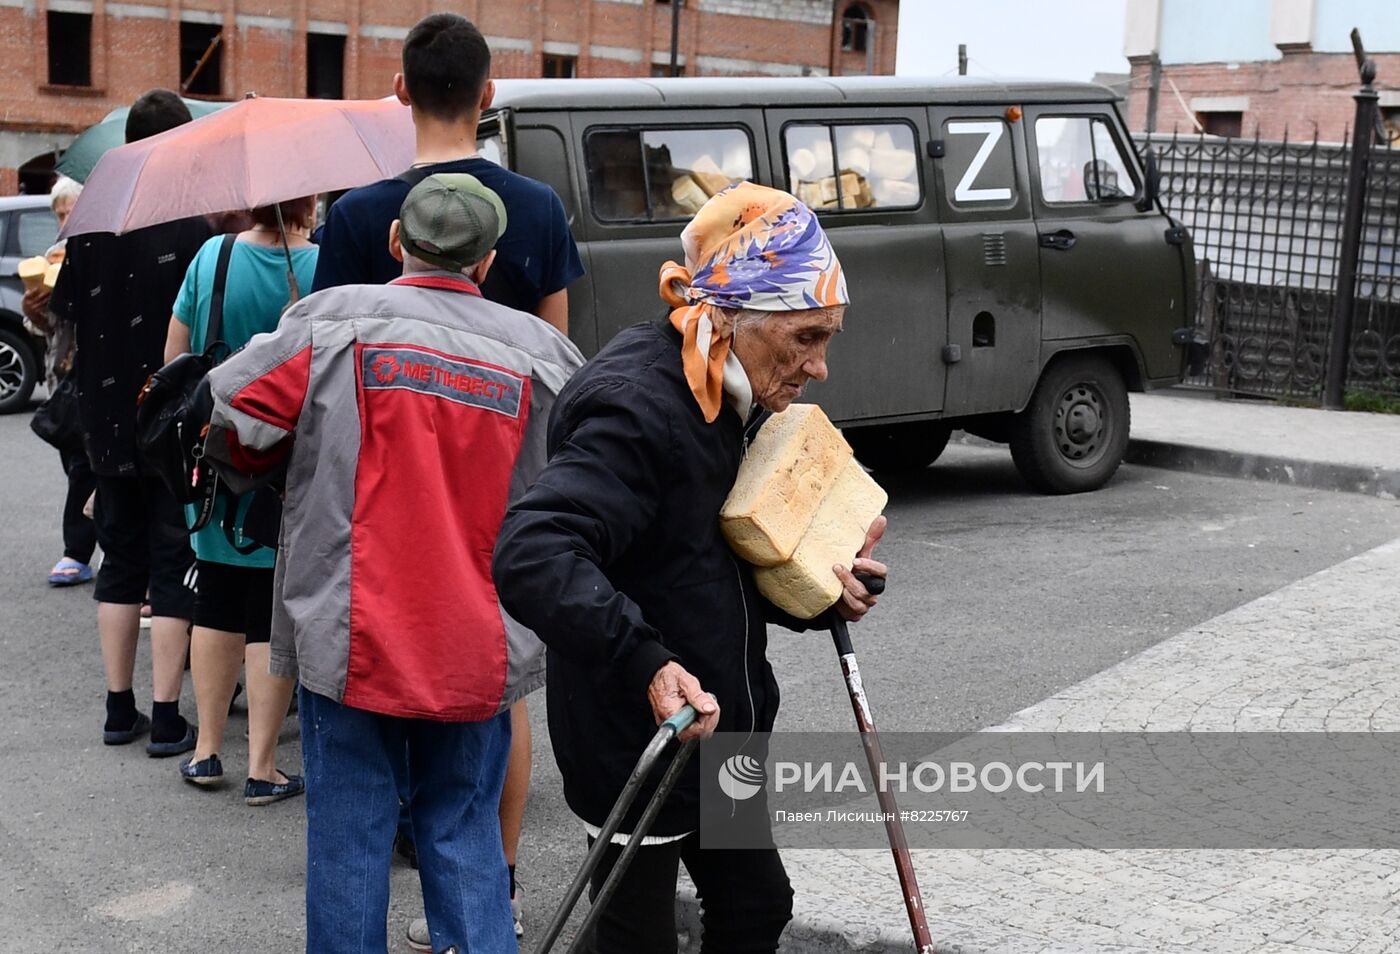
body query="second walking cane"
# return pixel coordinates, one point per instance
(870, 740)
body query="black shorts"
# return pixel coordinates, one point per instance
(145, 546)
(235, 599)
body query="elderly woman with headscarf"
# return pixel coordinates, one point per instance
(614, 557)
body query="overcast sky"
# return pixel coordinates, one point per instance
(1055, 39)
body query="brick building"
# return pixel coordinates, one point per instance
(69, 62)
(1237, 67)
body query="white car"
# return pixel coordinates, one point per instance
(27, 228)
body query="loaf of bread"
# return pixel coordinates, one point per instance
(856, 159)
(791, 464)
(863, 136)
(804, 585)
(803, 163)
(800, 505)
(705, 163)
(31, 271)
(688, 194)
(892, 192)
(51, 275)
(710, 182)
(892, 163)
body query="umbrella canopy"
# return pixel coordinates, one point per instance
(79, 158)
(255, 153)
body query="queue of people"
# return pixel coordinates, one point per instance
(422, 406)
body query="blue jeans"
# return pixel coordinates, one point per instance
(352, 807)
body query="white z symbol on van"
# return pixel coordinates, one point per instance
(991, 133)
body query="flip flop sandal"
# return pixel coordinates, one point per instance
(69, 572)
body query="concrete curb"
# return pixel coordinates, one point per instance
(1347, 478)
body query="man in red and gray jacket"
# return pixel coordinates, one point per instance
(418, 413)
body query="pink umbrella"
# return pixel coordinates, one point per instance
(254, 153)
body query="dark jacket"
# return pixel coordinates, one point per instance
(615, 559)
(119, 291)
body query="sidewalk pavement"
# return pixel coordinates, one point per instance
(1326, 450)
(1319, 655)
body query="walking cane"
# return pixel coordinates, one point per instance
(894, 828)
(669, 729)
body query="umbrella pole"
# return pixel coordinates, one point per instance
(287, 250)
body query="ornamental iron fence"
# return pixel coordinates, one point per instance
(1268, 222)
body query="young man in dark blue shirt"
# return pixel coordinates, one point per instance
(446, 82)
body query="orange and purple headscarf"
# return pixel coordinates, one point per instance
(748, 248)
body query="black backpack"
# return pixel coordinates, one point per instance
(174, 408)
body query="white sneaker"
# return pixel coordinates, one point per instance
(418, 937)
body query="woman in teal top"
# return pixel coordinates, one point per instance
(233, 587)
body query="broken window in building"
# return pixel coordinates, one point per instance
(70, 49)
(855, 29)
(1221, 123)
(325, 66)
(201, 59)
(559, 67)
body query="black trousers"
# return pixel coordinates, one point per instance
(745, 900)
(79, 532)
(145, 546)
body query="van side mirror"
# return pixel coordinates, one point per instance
(1101, 181)
(1152, 182)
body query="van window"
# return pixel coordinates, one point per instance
(879, 166)
(979, 169)
(1080, 161)
(654, 175)
(489, 147)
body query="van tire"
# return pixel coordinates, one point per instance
(1072, 436)
(899, 448)
(19, 371)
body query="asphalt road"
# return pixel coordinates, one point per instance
(998, 598)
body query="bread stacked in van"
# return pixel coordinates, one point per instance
(874, 172)
(800, 505)
(693, 187)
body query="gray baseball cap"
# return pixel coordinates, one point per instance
(451, 220)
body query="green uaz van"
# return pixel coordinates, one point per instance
(1010, 271)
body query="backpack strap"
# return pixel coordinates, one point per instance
(414, 175)
(214, 332)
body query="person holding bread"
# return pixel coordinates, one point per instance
(79, 533)
(615, 557)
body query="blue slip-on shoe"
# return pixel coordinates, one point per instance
(160, 750)
(125, 736)
(205, 773)
(258, 791)
(69, 572)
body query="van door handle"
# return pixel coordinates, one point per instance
(1062, 240)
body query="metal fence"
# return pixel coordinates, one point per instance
(1266, 219)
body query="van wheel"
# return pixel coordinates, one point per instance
(19, 372)
(1072, 436)
(898, 448)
